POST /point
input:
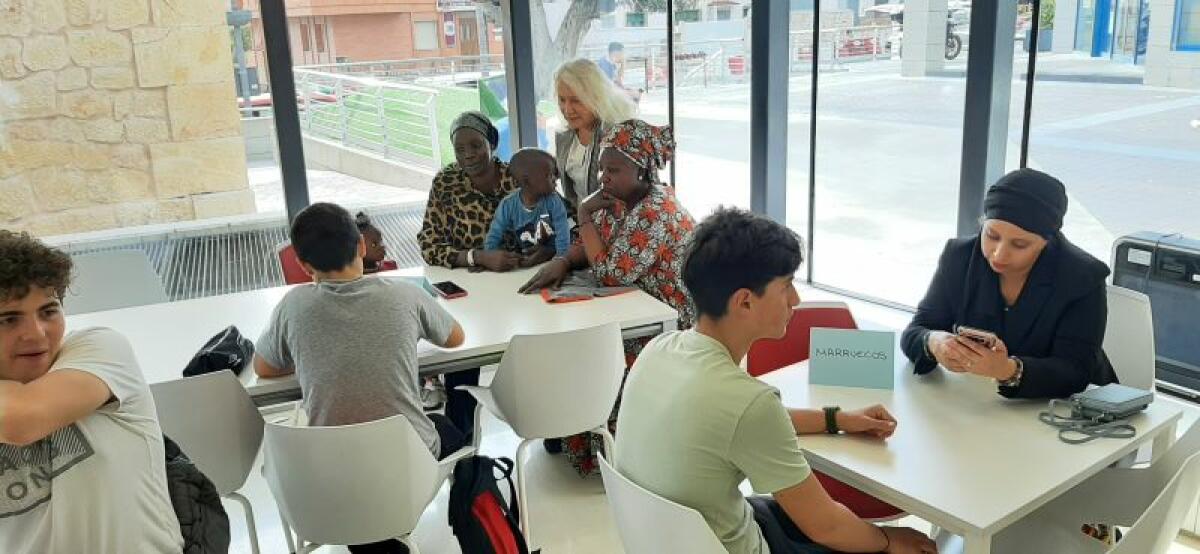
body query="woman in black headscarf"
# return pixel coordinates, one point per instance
(1022, 280)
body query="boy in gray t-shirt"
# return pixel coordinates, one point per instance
(352, 339)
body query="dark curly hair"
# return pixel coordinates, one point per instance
(25, 263)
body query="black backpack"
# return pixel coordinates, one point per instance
(227, 350)
(480, 519)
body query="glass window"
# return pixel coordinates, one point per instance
(375, 113)
(319, 34)
(687, 16)
(888, 144)
(639, 70)
(712, 116)
(723, 14)
(1122, 138)
(1187, 33)
(636, 19)
(426, 35)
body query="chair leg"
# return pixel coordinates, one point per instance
(522, 499)
(609, 452)
(477, 431)
(287, 534)
(411, 544)
(251, 529)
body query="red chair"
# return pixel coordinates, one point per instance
(293, 273)
(766, 356)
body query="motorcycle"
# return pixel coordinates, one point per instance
(954, 41)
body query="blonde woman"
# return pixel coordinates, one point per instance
(590, 104)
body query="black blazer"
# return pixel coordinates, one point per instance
(1056, 327)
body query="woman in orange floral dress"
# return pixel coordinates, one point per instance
(632, 232)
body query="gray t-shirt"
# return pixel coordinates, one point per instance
(353, 345)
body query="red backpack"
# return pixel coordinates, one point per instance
(480, 519)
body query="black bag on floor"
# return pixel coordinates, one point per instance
(203, 522)
(480, 519)
(227, 350)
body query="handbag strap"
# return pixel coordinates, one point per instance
(1073, 429)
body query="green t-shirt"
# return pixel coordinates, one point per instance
(693, 425)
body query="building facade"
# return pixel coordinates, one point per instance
(336, 31)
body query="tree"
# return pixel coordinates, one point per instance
(551, 53)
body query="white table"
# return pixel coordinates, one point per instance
(963, 457)
(166, 336)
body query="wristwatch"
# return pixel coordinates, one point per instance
(471, 258)
(1015, 380)
(831, 425)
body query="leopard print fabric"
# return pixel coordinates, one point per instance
(457, 217)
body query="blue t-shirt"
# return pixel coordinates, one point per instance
(608, 68)
(545, 223)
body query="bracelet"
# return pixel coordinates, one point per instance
(886, 538)
(1015, 380)
(831, 425)
(925, 340)
(471, 257)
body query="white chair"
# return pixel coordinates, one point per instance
(649, 523)
(110, 280)
(555, 385)
(1129, 337)
(214, 422)
(353, 484)
(1153, 501)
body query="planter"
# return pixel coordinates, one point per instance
(1045, 39)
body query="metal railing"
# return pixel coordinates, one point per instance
(394, 120)
(704, 63)
(841, 45)
(447, 70)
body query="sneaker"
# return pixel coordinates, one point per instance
(433, 394)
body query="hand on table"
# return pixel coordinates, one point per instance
(550, 275)
(497, 260)
(874, 421)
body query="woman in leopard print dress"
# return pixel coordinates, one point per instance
(464, 198)
(462, 202)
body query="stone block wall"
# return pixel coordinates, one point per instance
(117, 113)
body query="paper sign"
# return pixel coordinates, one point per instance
(852, 358)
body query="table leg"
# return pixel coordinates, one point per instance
(1163, 442)
(949, 543)
(977, 544)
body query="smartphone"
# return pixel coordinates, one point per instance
(986, 338)
(449, 290)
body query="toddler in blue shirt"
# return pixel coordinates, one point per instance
(534, 215)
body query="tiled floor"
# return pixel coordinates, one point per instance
(569, 514)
